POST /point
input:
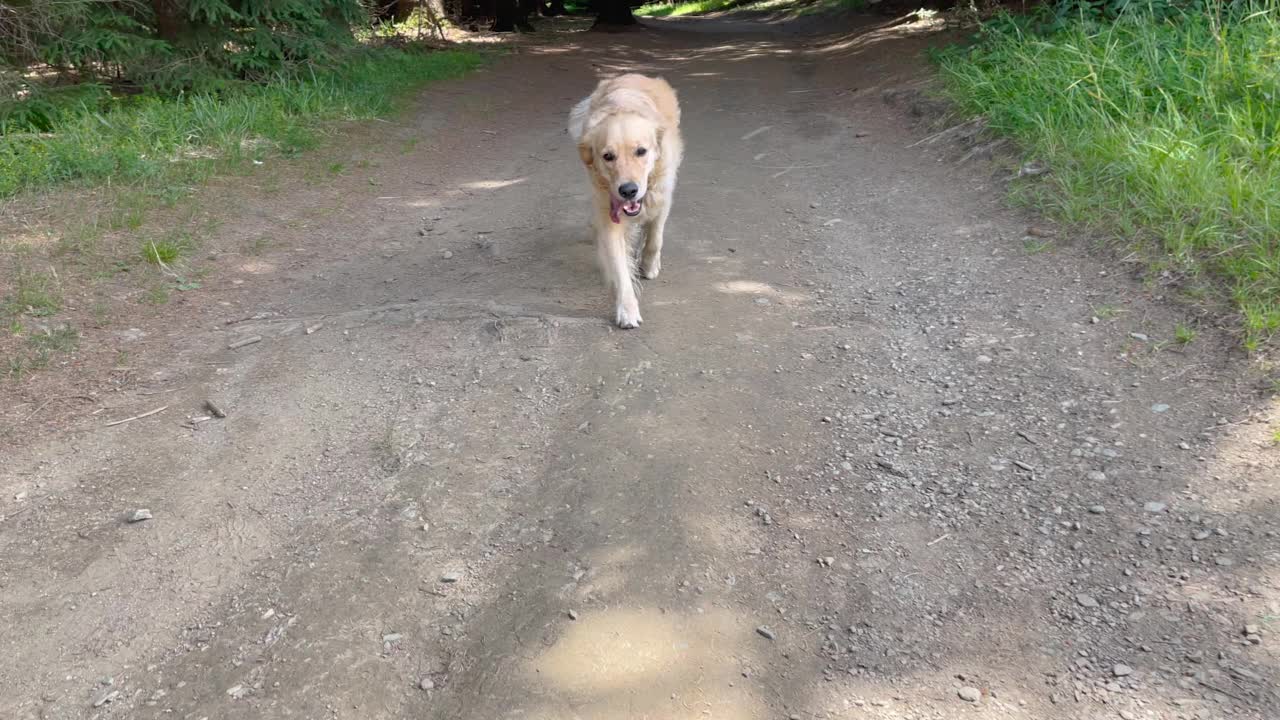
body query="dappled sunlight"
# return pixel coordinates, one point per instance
(1221, 488)
(257, 267)
(621, 663)
(492, 184)
(751, 287)
(907, 26)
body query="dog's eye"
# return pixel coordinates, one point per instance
(640, 152)
(609, 157)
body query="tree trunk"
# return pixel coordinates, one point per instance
(169, 20)
(614, 13)
(528, 8)
(506, 13)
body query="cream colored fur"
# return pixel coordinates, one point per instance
(628, 131)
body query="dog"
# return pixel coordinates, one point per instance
(628, 137)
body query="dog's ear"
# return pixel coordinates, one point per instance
(585, 153)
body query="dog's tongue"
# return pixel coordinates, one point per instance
(614, 207)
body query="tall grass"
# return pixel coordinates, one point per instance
(178, 139)
(1165, 132)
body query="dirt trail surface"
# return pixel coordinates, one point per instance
(868, 457)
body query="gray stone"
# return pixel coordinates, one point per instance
(139, 515)
(766, 633)
(1155, 507)
(970, 694)
(1121, 670)
(1086, 601)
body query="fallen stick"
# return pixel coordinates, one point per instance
(137, 417)
(246, 341)
(931, 543)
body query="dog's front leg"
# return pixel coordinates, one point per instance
(611, 243)
(651, 260)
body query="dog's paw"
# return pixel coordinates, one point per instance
(627, 317)
(650, 268)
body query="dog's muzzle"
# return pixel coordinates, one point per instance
(630, 208)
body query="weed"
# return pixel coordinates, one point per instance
(1035, 246)
(35, 293)
(162, 252)
(1184, 334)
(1106, 312)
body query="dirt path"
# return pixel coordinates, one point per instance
(869, 457)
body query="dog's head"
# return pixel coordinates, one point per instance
(621, 150)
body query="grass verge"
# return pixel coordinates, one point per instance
(1164, 132)
(179, 140)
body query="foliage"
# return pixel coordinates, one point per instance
(169, 45)
(1161, 122)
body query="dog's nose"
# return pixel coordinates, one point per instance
(628, 190)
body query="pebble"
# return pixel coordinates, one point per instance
(105, 697)
(139, 515)
(1139, 337)
(970, 694)
(447, 254)
(1121, 670)
(1202, 535)
(573, 614)
(1159, 408)
(1087, 601)
(1096, 476)
(1224, 561)
(451, 577)
(1097, 509)
(1126, 715)
(426, 683)
(766, 633)
(984, 359)
(1252, 630)
(1155, 507)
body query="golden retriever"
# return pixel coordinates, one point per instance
(628, 136)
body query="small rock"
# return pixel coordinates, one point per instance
(1224, 561)
(1140, 337)
(215, 408)
(1121, 670)
(392, 637)
(426, 683)
(447, 254)
(139, 515)
(984, 359)
(1159, 408)
(1096, 476)
(1126, 715)
(573, 614)
(970, 694)
(105, 696)
(451, 577)
(237, 691)
(1155, 507)
(1202, 535)
(1097, 509)
(766, 633)
(1252, 630)
(1086, 601)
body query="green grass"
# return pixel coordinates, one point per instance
(34, 293)
(1163, 133)
(167, 142)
